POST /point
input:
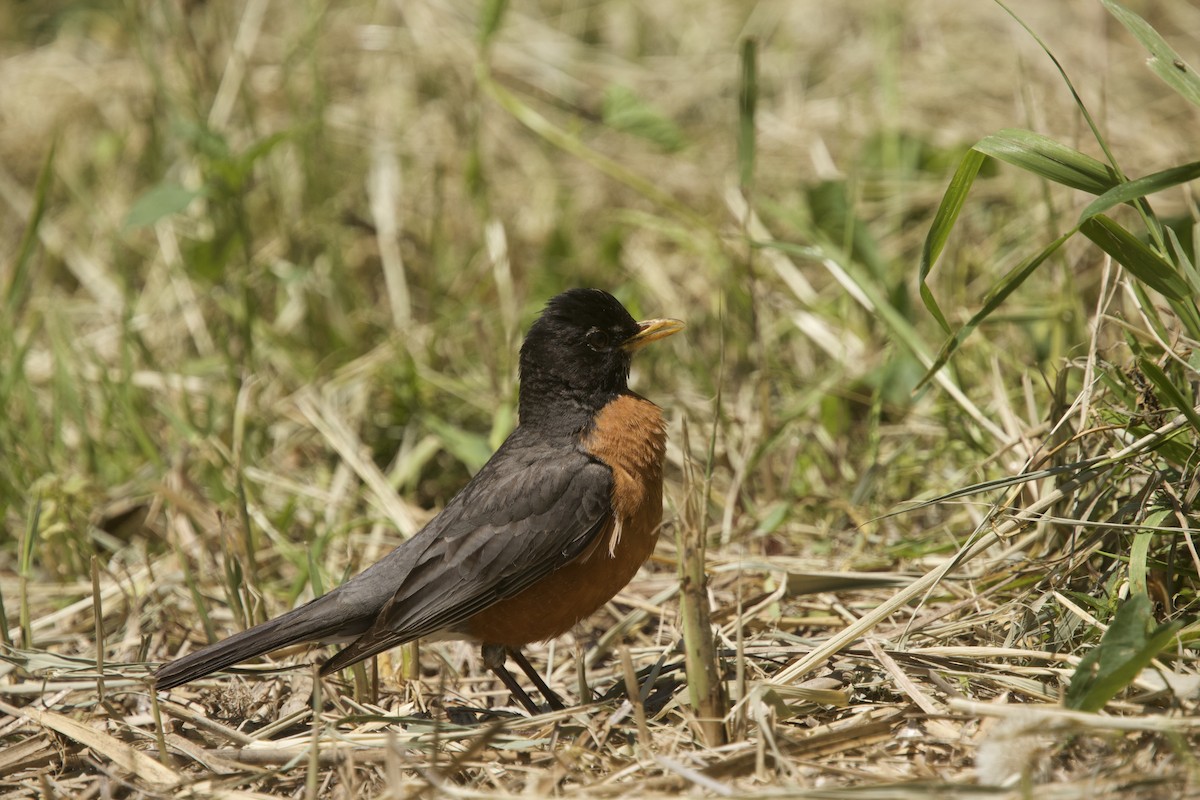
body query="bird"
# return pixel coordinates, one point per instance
(557, 521)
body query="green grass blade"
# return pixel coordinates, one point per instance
(314, 573)
(1127, 647)
(943, 223)
(470, 448)
(26, 548)
(747, 103)
(1180, 256)
(1163, 61)
(5, 639)
(491, 19)
(993, 300)
(1078, 161)
(1087, 115)
(1145, 265)
(1048, 159)
(898, 324)
(17, 289)
(571, 143)
(1132, 190)
(1139, 553)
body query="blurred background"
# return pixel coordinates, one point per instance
(264, 268)
(240, 201)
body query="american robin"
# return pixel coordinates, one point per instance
(554, 525)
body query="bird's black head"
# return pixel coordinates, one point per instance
(576, 356)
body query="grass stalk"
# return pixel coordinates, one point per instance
(635, 694)
(706, 692)
(98, 615)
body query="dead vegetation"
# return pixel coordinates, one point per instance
(265, 268)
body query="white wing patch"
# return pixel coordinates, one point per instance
(615, 539)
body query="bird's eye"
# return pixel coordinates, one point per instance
(597, 340)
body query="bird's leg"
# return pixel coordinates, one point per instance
(553, 700)
(493, 659)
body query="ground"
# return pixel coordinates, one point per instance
(264, 270)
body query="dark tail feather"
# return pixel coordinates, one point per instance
(298, 625)
(361, 649)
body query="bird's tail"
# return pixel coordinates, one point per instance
(310, 622)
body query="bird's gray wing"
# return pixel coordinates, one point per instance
(532, 509)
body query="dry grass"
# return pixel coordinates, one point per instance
(216, 413)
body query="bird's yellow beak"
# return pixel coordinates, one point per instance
(651, 331)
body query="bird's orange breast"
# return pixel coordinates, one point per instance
(629, 436)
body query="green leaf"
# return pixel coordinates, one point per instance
(1146, 265)
(1048, 159)
(163, 200)
(1132, 190)
(1130, 643)
(1164, 61)
(943, 223)
(625, 111)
